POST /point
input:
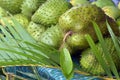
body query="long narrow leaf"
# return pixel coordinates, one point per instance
(105, 50)
(51, 52)
(22, 54)
(98, 56)
(114, 38)
(19, 62)
(20, 34)
(23, 33)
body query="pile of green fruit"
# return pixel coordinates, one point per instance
(59, 23)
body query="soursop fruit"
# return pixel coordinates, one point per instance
(36, 30)
(3, 12)
(118, 22)
(79, 2)
(103, 3)
(89, 62)
(19, 17)
(22, 20)
(49, 12)
(30, 6)
(112, 11)
(53, 36)
(77, 41)
(79, 19)
(13, 6)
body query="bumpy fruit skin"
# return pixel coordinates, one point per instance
(23, 20)
(89, 62)
(49, 12)
(102, 3)
(79, 20)
(79, 2)
(19, 17)
(80, 17)
(112, 11)
(13, 6)
(35, 30)
(3, 12)
(53, 36)
(118, 22)
(77, 41)
(30, 6)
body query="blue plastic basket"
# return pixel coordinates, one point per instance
(47, 73)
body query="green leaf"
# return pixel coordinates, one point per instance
(18, 44)
(106, 51)
(114, 38)
(46, 50)
(18, 48)
(66, 63)
(98, 56)
(21, 31)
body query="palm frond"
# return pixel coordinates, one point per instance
(114, 38)
(111, 68)
(17, 46)
(98, 56)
